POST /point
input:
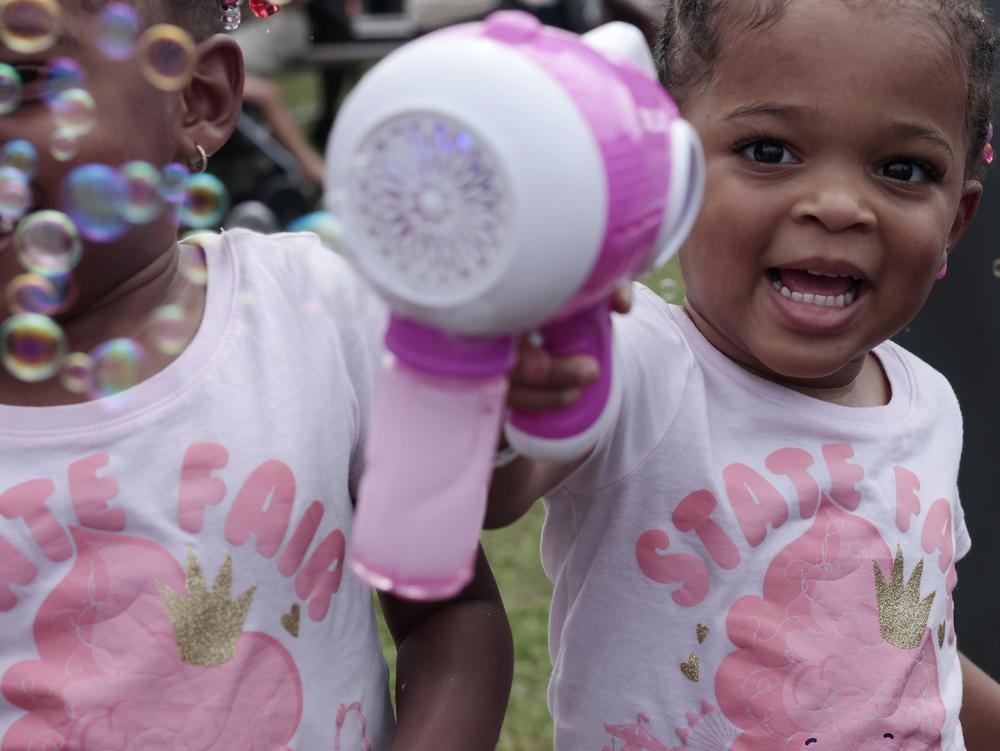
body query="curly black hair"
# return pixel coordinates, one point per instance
(687, 47)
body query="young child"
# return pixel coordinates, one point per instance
(760, 556)
(171, 553)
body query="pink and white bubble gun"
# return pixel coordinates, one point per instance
(492, 179)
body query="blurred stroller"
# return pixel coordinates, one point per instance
(267, 184)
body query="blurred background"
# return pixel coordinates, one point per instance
(305, 59)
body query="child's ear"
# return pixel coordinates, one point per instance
(213, 99)
(968, 204)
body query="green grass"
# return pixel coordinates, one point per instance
(513, 555)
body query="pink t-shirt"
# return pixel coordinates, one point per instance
(740, 567)
(171, 559)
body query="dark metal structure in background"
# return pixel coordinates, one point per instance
(958, 332)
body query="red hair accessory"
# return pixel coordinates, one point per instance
(232, 15)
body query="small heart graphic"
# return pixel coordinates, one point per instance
(702, 632)
(290, 620)
(691, 668)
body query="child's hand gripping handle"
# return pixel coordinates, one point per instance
(564, 434)
(422, 498)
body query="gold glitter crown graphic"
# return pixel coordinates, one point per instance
(207, 625)
(902, 615)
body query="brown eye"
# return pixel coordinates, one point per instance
(908, 171)
(761, 151)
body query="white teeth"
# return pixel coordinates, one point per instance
(829, 276)
(829, 301)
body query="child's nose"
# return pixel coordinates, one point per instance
(837, 203)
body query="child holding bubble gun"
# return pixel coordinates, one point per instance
(180, 429)
(761, 555)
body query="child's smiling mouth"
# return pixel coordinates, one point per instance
(815, 287)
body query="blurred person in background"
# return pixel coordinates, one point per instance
(269, 48)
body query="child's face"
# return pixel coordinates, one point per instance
(135, 121)
(836, 143)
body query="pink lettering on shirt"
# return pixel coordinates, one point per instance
(263, 508)
(27, 501)
(91, 494)
(694, 514)
(293, 554)
(316, 582)
(198, 488)
(757, 503)
(937, 533)
(907, 500)
(794, 464)
(844, 476)
(676, 568)
(15, 568)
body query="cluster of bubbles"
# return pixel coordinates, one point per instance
(100, 203)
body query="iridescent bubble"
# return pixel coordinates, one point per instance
(21, 155)
(194, 265)
(63, 145)
(76, 372)
(74, 112)
(144, 202)
(119, 31)
(94, 196)
(62, 74)
(15, 195)
(33, 293)
(205, 203)
(169, 329)
(32, 346)
(166, 56)
(29, 26)
(173, 183)
(47, 243)
(323, 224)
(10, 89)
(117, 365)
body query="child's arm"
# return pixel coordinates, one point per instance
(454, 665)
(980, 714)
(541, 382)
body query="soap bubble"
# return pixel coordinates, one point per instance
(21, 155)
(144, 203)
(167, 56)
(323, 224)
(94, 196)
(15, 195)
(205, 203)
(63, 145)
(173, 183)
(119, 31)
(10, 89)
(75, 374)
(33, 293)
(169, 330)
(32, 346)
(61, 74)
(29, 26)
(74, 112)
(194, 266)
(117, 365)
(47, 242)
